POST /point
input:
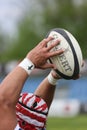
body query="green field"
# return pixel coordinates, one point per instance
(75, 123)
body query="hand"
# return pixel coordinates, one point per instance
(56, 76)
(41, 53)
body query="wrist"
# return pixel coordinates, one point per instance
(55, 75)
(51, 79)
(27, 65)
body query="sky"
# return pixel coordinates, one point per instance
(12, 10)
(10, 13)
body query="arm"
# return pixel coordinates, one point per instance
(12, 85)
(15, 80)
(46, 90)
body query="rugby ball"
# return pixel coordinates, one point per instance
(68, 64)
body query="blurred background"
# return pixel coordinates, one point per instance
(23, 24)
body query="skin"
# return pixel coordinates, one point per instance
(12, 85)
(45, 90)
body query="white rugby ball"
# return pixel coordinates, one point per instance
(69, 63)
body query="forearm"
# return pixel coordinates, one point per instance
(12, 85)
(46, 89)
(37, 57)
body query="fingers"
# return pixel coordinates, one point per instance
(47, 65)
(55, 74)
(41, 53)
(45, 41)
(83, 63)
(54, 43)
(54, 53)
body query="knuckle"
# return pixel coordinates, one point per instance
(44, 40)
(52, 45)
(48, 55)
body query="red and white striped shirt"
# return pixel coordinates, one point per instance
(31, 112)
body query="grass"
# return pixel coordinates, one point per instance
(75, 123)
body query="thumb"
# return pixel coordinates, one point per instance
(47, 65)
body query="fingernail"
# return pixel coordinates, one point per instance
(63, 49)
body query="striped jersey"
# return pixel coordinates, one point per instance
(31, 112)
(17, 127)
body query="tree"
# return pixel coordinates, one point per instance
(65, 14)
(50, 14)
(27, 38)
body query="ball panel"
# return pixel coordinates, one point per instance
(69, 63)
(76, 47)
(62, 62)
(76, 66)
